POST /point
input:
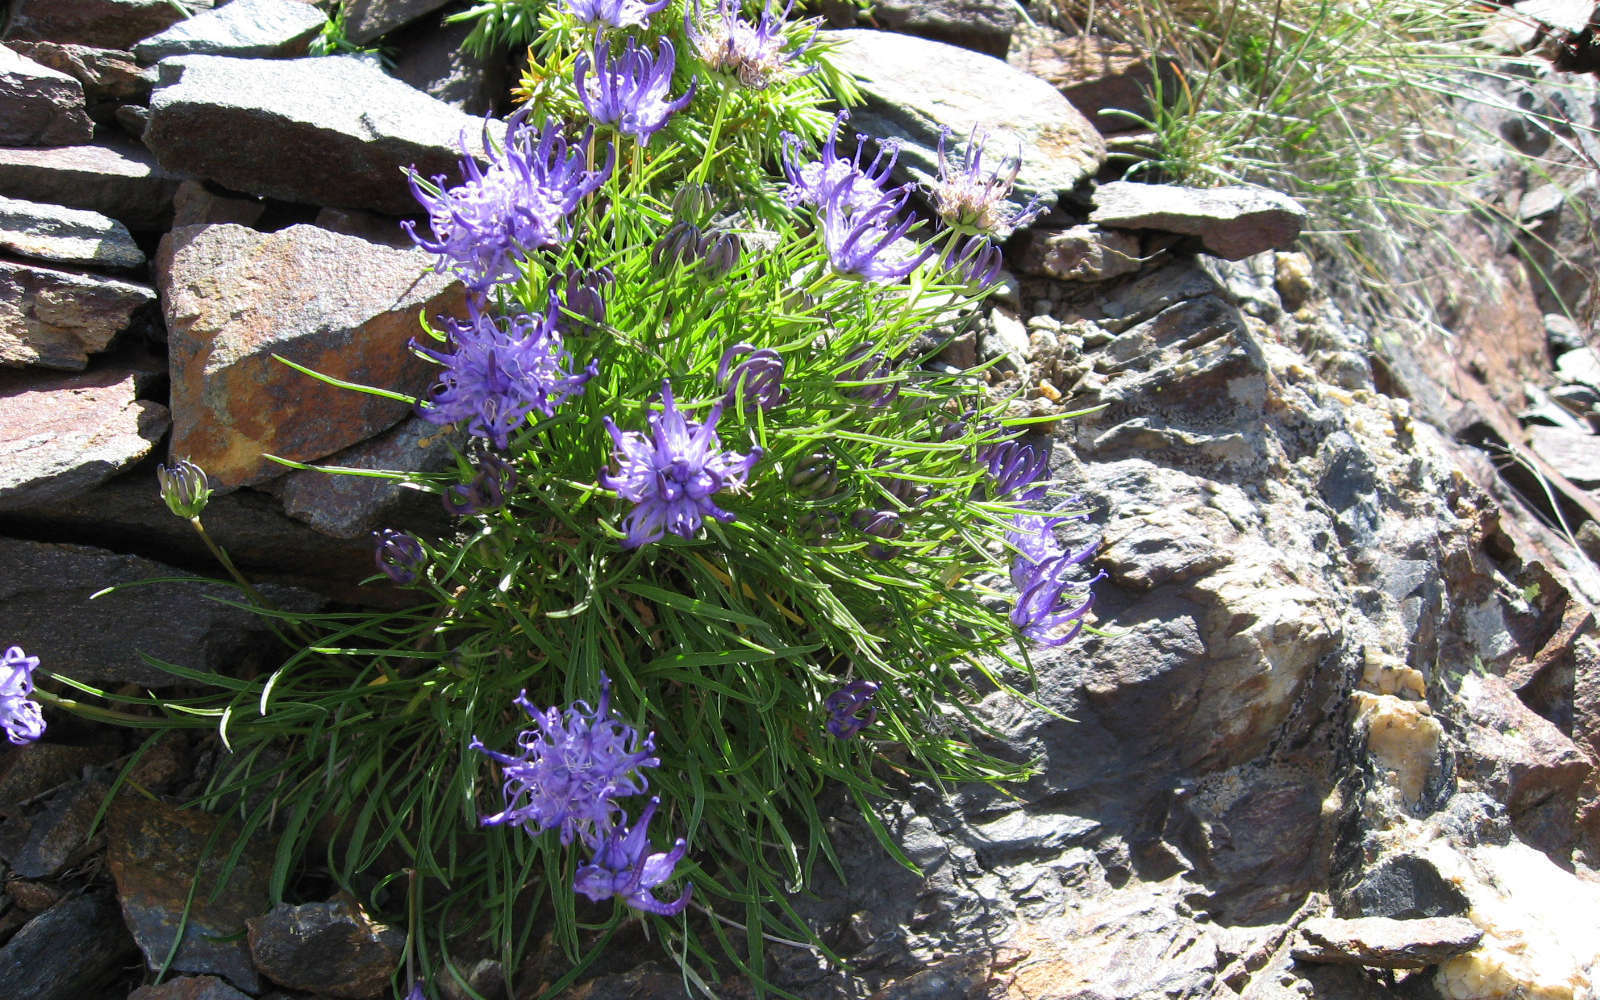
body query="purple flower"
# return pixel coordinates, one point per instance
(500, 371)
(973, 200)
(1049, 610)
(976, 262)
(571, 768)
(756, 381)
(672, 473)
(486, 491)
(623, 867)
(884, 524)
(851, 709)
(630, 90)
(752, 52)
(1016, 469)
(398, 554)
(583, 300)
(613, 13)
(520, 202)
(21, 718)
(810, 183)
(868, 242)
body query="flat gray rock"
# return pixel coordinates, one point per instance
(1230, 222)
(260, 28)
(323, 131)
(1383, 942)
(112, 176)
(915, 88)
(981, 25)
(109, 24)
(40, 106)
(367, 19)
(69, 951)
(56, 319)
(354, 506)
(72, 236)
(63, 435)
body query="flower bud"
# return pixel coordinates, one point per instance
(584, 300)
(678, 246)
(184, 488)
(755, 381)
(694, 204)
(399, 554)
(816, 478)
(719, 254)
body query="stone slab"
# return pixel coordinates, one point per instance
(75, 237)
(251, 28)
(40, 106)
(112, 176)
(1231, 222)
(56, 319)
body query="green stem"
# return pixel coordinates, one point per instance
(239, 578)
(699, 175)
(96, 712)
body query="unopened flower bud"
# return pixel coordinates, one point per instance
(755, 381)
(678, 246)
(184, 488)
(816, 478)
(694, 204)
(872, 367)
(584, 300)
(885, 524)
(398, 554)
(719, 254)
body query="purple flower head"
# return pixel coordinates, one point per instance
(1050, 605)
(971, 199)
(868, 242)
(21, 718)
(571, 767)
(630, 90)
(1016, 468)
(487, 490)
(500, 371)
(754, 53)
(881, 387)
(398, 554)
(671, 473)
(884, 524)
(811, 183)
(719, 254)
(623, 867)
(850, 709)
(520, 202)
(976, 262)
(679, 246)
(613, 13)
(583, 304)
(756, 381)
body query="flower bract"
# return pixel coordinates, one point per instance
(752, 52)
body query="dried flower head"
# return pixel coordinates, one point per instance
(754, 53)
(502, 369)
(572, 767)
(971, 199)
(519, 203)
(613, 13)
(184, 488)
(672, 473)
(623, 867)
(628, 90)
(19, 716)
(399, 554)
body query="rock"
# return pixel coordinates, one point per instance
(66, 953)
(44, 843)
(434, 59)
(71, 236)
(56, 319)
(110, 24)
(109, 77)
(132, 119)
(47, 598)
(1230, 222)
(1573, 453)
(111, 176)
(194, 205)
(189, 988)
(254, 28)
(981, 25)
(1082, 253)
(914, 88)
(1382, 943)
(1580, 366)
(338, 305)
(61, 435)
(328, 131)
(157, 854)
(355, 506)
(1403, 738)
(367, 19)
(1294, 280)
(40, 106)
(24, 776)
(1402, 887)
(381, 229)
(330, 948)
(1562, 334)
(1100, 76)
(1570, 16)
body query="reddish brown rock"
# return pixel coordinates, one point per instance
(333, 949)
(1384, 943)
(111, 24)
(155, 853)
(112, 176)
(1098, 75)
(63, 435)
(39, 106)
(189, 988)
(336, 304)
(108, 77)
(56, 319)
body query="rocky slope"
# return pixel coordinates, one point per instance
(1338, 736)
